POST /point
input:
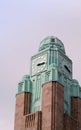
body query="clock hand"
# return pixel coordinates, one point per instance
(67, 68)
(40, 63)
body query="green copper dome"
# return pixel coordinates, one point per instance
(53, 42)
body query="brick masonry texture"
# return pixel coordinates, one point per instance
(52, 106)
(33, 121)
(22, 108)
(76, 110)
(70, 123)
(52, 116)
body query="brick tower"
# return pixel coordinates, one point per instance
(49, 98)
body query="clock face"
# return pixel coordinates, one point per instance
(65, 66)
(39, 64)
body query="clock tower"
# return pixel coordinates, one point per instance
(49, 98)
(50, 64)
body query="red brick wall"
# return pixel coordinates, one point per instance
(76, 110)
(22, 108)
(70, 123)
(73, 122)
(27, 101)
(33, 121)
(52, 116)
(52, 106)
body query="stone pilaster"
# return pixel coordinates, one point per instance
(52, 106)
(22, 108)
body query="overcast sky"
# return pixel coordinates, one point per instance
(23, 24)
